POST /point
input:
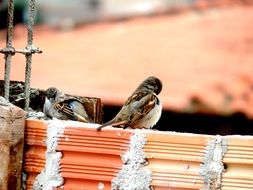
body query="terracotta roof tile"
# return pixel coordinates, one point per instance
(196, 54)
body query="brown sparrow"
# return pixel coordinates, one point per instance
(65, 107)
(142, 109)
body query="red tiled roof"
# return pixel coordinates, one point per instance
(202, 55)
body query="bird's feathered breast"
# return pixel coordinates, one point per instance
(142, 107)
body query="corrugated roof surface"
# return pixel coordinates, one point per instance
(204, 57)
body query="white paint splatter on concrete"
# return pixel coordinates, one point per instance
(50, 176)
(133, 175)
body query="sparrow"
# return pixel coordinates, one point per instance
(142, 109)
(64, 107)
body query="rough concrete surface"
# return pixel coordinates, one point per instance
(50, 176)
(213, 167)
(133, 175)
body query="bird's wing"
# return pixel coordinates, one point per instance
(65, 108)
(73, 108)
(144, 106)
(132, 112)
(136, 96)
(79, 111)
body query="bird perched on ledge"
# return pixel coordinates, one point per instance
(65, 107)
(142, 109)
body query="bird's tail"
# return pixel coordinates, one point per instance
(112, 123)
(83, 119)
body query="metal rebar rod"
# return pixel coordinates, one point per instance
(10, 48)
(22, 51)
(30, 47)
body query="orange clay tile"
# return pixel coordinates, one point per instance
(103, 159)
(239, 163)
(174, 159)
(34, 157)
(91, 158)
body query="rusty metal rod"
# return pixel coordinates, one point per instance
(8, 46)
(30, 47)
(21, 51)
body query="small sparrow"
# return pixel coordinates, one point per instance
(65, 107)
(142, 109)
